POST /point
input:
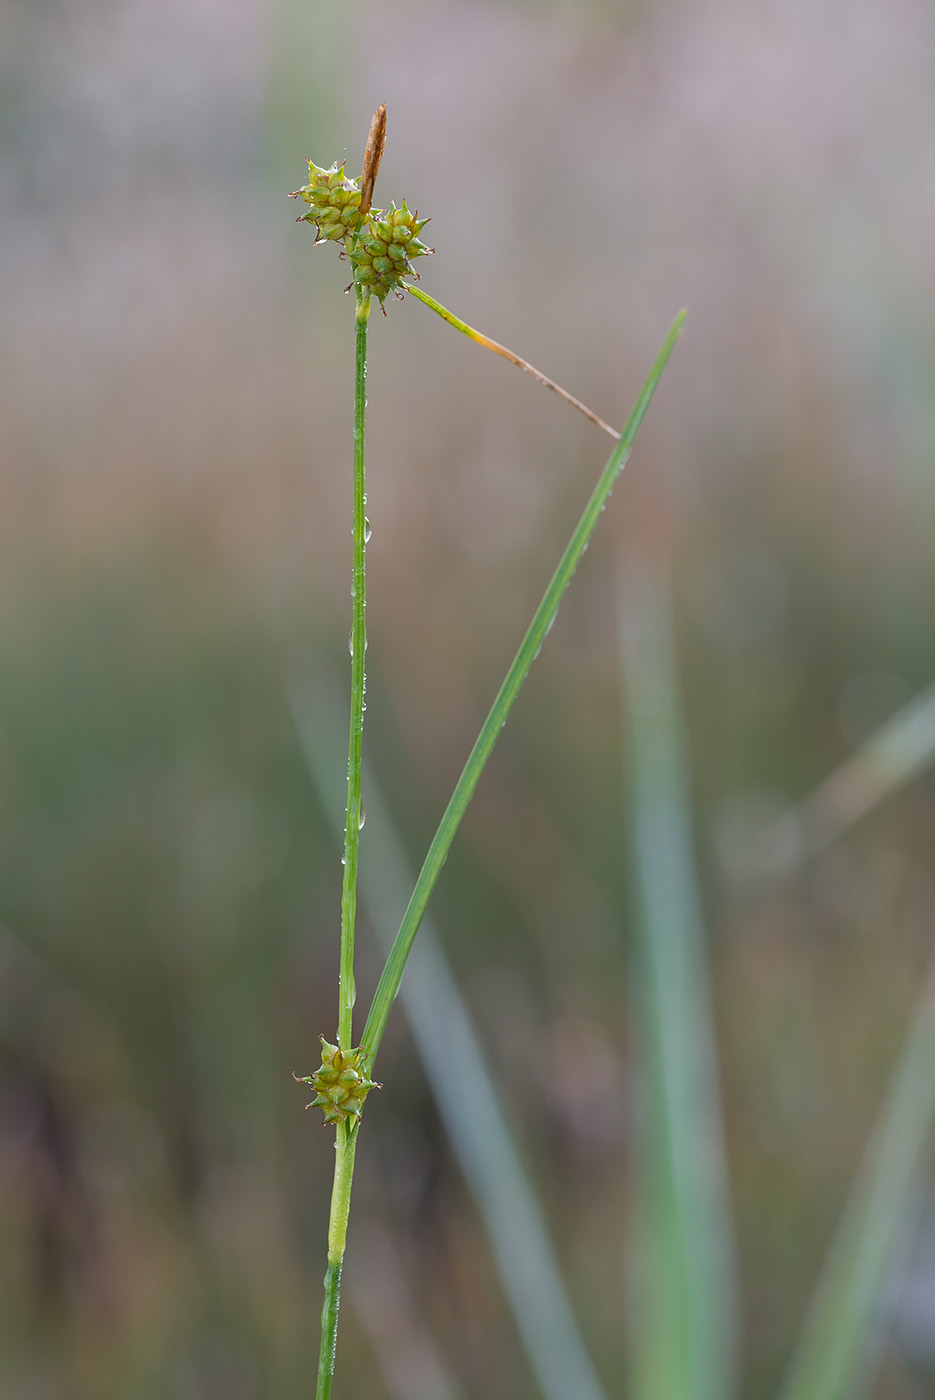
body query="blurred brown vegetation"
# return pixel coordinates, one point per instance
(175, 406)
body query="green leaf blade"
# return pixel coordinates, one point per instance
(461, 1078)
(388, 985)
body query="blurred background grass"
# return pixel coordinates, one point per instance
(175, 404)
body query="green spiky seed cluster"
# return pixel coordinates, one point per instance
(384, 250)
(342, 1083)
(333, 200)
(381, 245)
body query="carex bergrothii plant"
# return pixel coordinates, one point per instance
(381, 246)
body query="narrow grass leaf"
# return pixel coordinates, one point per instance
(456, 1069)
(898, 752)
(683, 1321)
(836, 1356)
(388, 985)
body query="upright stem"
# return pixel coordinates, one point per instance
(347, 991)
(345, 1144)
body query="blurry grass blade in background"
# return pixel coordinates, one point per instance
(901, 750)
(377, 1285)
(461, 1082)
(839, 1345)
(682, 1335)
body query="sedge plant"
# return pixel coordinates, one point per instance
(380, 247)
(834, 1358)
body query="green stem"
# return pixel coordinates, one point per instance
(388, 985)
(345, 1147)
(345, 1144)
(347, 990)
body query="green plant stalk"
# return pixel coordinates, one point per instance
(391, 977)
(345, 1147)
(345, 1144)
(346, 987)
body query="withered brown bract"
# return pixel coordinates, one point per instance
(376, 143)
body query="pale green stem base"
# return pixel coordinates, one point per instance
(345, 1147)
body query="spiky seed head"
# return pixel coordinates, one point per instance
(385, 247)
(341, 1083)
(333, 200)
